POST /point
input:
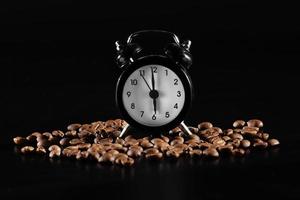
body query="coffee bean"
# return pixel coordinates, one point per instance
(54, 148)
(252, 131)
(19, 140)
(31, 138)
(226, 148)
(226, 138)
(255, 123)
(151, 151)
(237, 136)
(265, 136)
(75, 141)
(245, 143)
(194, 130)
(157, 140)
(205, 125)
(48, 135)
(27, 149)
(239, 123)
(195, 152)
(134, 153)
(228, 131)
(58, 133)
(131, 142)
(107, 157)
(273, 142)
(235, 143)
(195, 137)
(154, 156)
(72, 133)
(113, 151)
(204, 145)
(73, 127)
(64, 141)
(176, 141)
(54, 153)
(211, 152)
(166, 139)
(84, 146)
(146, 144)
(238, 152)
(237, 130)
(175, 130)
(261, 144)
(41, 150)
(163, 146)
(139, 148)
(172, 153)
(120, 141)
(83, 133)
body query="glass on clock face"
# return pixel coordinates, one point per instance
(153, 95)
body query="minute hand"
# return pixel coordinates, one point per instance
(153, 81)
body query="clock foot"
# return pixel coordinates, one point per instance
(185, 129)
(124, 131)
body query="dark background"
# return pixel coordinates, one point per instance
(57, 67)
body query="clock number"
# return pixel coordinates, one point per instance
(132, 106)
(178, 94)
(133, 81)
(175, 81)
(167, 115)
(154, 69)
(166, 72)
(142, 72)
(142, 113)
(176, 106)
(128, 94)
(153, 117)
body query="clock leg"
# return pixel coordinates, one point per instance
(185, 129)
(124, 131)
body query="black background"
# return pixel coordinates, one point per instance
(57, 67)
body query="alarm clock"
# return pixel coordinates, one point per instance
(154, 91)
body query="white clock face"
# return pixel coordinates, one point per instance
(153, 95)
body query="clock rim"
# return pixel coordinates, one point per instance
(179, 70)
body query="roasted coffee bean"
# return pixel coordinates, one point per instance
(31, 138)
(69, 152)
(83, 133)
(41, 150)
(211, 152)
(131, 142)
(58, 133)
(226, 138)
(84, 146)
(73, 127)
(151, 151)
(238, 152)
(252, 131)
(166, 139)
(82, 155)
(54, 148)
(237, 136)
(273, 142)
(19, 140)
(154, 156)
(146, 144)
(237, 130)
(27, 149)
(48, 135)
(64, 141)
(265, 136)
(179, 138)
(205, 145)
(157, 140)
(205, 125)
(217, 141)
(139, 148)
(134, 153)
(72, 133)
(173, 153)
(129, 137)
(235, 143)
(75, 141)
(260, 144)
(163, 146)
(195, 137)
(239, 123)
(120, 141)
(175, 130)
(107, 157)
(245, 143)
(54, 153)
(228, 131)
(226, 148)
(194, 130)
(255, 123)
(113, 151)
(195, 152)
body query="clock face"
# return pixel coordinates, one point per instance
(153, 95)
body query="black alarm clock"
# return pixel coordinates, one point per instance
(154, 91)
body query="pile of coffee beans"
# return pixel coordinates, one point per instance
(99, 141)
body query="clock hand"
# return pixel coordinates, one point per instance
(153, 90)
(153, 82)
(146, 82)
